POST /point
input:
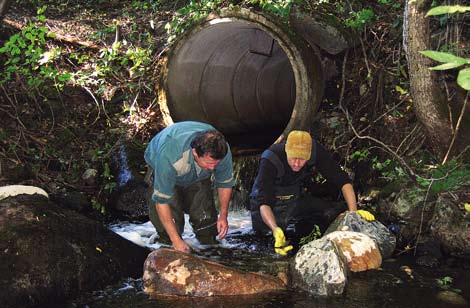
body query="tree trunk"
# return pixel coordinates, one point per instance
(4, 4)
(429, 101)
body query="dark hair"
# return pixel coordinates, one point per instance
(210, 142)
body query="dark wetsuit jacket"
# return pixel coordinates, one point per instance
(277, 184)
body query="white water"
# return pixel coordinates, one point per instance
(144, 234)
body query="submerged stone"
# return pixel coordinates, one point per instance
(319, 268)
(171, 272)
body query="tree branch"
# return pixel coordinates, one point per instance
(58, 37)
(457, 128)
(348, 118)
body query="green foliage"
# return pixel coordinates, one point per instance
(26, 56)
(450, 61)
(276, 7)
(360, 155)
(98, 206)
(195, 11)
(145, 4)
(445, 281)
(109, 185)
(387, 169)
(361, 19)
(447, 9)
(463, 78)
(450, 177)
(189, 14)
(103, 33)
(107, 176)
(377, 165)
(446, 284)
(358, 15)
(134, 61)
(391, 3)
(315, 234)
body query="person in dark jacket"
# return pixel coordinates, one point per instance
(277, 198)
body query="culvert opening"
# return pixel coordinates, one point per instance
(244, 75)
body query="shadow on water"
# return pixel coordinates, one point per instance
(398, 283)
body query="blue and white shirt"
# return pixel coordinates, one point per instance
(169, 153)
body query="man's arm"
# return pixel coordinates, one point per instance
(349, 196)
(164, 213)
(224, 199)
(268, 216)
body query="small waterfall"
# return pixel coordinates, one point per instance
(244, 170)
(123, 172)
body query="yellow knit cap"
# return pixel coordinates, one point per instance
(299, 145)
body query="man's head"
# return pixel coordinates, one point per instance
(298, 149)
(209, 148)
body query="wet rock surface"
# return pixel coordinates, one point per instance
(320, 269)
(450, 223)
(49, 253)
(130, 203)
(170, 272)
(359, 250)
(351, 221)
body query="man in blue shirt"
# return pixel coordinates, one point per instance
(184, 156)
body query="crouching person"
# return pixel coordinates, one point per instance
(184, 157)
(277, 199)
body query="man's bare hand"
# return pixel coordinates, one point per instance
(222, 227)
(181, 246)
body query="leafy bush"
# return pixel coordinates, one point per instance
(26, 56)
(450, 177)
(450, 61)
(195, 11)
(187, 15)
(360, 19)
(276, 7)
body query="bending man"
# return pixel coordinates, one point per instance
(277, 198)
(183, 157)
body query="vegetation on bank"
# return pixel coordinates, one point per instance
(76, 87)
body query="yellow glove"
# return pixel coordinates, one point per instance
(280, 245)
(366, 215)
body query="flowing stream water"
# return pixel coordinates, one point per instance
(400, 282)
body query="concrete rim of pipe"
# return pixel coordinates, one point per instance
(304, 59)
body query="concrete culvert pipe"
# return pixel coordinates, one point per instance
(244, 74)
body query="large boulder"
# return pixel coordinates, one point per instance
(14, 190)
(129, 202)
(351, 221)
(411, 211)
(50, 254)
(320, 268)
(449, 225)
(171, 272)
(359, 250)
